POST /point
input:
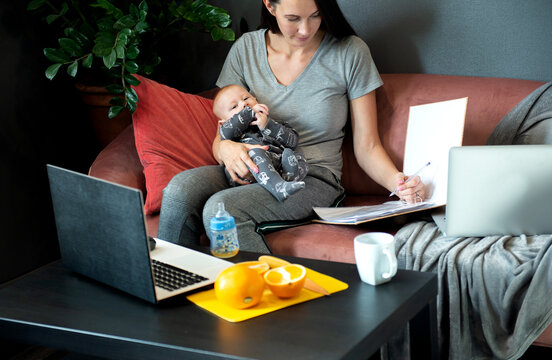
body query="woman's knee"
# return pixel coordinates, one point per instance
(195, 184)
(233, 203)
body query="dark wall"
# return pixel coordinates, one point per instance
(195, 60)
(41, 122)
(496, 38)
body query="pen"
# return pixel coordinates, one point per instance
(411, 176)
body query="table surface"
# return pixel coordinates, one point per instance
(57, 308)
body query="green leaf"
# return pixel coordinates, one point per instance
(106, 24)
(70, 46)
(125, 32)
(115, 89)
(141, 26)
(131, 105)
(219, 17)
(120, 50)
(133, 51)
(110, 9)
(52, 70)
(132, 80)
(228, 34)
(216, 33)
(56, 55)
(131, 95)
(104, 43)
(114, 111)
(51, 18)
(133, 10)
(110, 59)
(87, 61)
(143, 6)
(126, 21)
(81, 39)
(87, 30)
(132, 67)
(35, 4)
(72, 69)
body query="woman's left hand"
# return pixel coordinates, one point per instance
(411, 191)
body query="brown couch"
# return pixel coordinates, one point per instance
(489, 100)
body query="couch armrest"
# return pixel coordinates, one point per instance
(119, 162)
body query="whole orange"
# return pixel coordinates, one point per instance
(239, 286)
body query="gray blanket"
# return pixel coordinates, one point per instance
(495, 293)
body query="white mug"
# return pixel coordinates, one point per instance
(375, 257)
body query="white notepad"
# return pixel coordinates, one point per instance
(433, 129)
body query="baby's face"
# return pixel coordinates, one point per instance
(233, 100)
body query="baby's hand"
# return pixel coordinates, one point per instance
(261, 116)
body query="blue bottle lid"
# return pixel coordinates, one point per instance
(222, 220)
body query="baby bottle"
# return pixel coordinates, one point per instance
(224, 236)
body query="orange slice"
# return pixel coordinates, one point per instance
(258, 266)
(239, 286)
(286, 281)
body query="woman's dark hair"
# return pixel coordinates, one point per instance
(333, 20)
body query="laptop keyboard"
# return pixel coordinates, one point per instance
(172, 278)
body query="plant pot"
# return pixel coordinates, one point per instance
(97, 100)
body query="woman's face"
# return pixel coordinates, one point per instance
(299, 20)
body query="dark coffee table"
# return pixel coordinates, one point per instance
(56, 308)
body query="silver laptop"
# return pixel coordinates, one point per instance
(102, 234)
(498, 190)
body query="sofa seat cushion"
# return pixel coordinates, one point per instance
(333, 242)
(326, 242)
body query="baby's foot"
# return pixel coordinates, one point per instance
(289, 165)
(285, 189)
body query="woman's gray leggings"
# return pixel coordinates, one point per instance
(191, 197)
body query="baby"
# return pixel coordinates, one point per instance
(244, 120)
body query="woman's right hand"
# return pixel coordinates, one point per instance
(237, 161)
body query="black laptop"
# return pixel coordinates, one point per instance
(102, 234)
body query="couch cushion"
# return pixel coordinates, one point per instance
(328, 242)
(489, 99)
(173, 132)
(118, 162)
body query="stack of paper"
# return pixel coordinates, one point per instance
(359, 214)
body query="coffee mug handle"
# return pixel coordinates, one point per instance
(392, 259)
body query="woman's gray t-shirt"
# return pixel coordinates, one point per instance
(316, 103)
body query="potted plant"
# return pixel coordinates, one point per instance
(105, 42)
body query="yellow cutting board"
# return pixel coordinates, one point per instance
(269, 302)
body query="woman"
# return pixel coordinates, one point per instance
(307, 66)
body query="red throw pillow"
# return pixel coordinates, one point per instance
(174, 131)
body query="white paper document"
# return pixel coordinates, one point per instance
(353, 215)
(432, 130)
